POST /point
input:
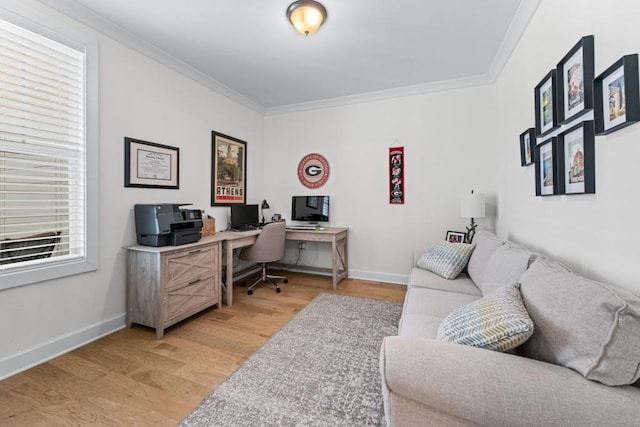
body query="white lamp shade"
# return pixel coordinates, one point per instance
(472, 205)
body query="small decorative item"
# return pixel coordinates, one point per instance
(575, 81)
(546, 167)
(313, 170)
(527, 138)
(456, 237)
(150, 165)
(228, 170)
(617, 99)
(546, 104)
(576, 160)
(396, 175)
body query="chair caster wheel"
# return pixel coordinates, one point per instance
(250, 292)
(286, 281)
(277, 290)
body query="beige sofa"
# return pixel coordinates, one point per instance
(573, 371)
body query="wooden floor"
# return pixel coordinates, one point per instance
(130, 378)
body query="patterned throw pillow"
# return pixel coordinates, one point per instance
(446, 259)
(498, 321)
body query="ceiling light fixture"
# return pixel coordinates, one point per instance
(306, 16)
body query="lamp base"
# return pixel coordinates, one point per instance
(471, 231)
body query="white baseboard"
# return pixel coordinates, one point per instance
(27, 359)
(401, 279)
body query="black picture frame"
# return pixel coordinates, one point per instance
(546, 162)
(228, 170)
(546, 105)
(621, 77)
(456, 237)
(576, 159)
(151, 165)
(527, 144)
(575, 73)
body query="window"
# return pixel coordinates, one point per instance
(48, 197)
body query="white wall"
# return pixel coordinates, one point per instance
(595, 235)
(141, 99)
(448, 139)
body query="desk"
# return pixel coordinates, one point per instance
(337, 236)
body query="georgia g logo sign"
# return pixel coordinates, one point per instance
(313, 170)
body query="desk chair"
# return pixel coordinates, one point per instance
(29, 248)
(269, 247)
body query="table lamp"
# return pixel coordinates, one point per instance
(472, 206)
(264, 206)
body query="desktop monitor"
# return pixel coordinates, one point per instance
(243, 215)
(310, 208)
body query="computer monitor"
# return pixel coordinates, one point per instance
(243, 215)
(310, 208)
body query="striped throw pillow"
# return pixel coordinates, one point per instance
(446, 259)
(498, 321)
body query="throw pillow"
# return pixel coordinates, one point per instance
(498, 321)
(446, 259)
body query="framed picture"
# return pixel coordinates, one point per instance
(527, 140)
(456, 237)
(576, 160)
(616, 93)
(228, 170)
(575, 81)
(150, 165)
(546, 104)
(546, 167)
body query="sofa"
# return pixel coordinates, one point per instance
(579, 365)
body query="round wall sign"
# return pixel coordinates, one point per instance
(313, 170)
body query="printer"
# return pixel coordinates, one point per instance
(165, 224)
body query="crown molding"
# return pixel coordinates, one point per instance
(90, 18)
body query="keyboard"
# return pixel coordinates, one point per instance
(245, 228)
(301, 227)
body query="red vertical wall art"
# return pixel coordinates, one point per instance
(396, 175)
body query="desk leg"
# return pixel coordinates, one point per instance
(335, 263)
(229, 281)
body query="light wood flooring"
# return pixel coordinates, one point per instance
(129, 378)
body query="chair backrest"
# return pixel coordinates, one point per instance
(269, 245)
(29, 248)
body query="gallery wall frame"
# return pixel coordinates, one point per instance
(546, 161)
(617, 96)
(527, 144)
(575, 73)
(151, 165)
(546, 105)
(228, 170)
(576, 163)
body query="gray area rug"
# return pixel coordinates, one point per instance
(320, 369)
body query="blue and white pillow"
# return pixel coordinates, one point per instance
(446, 259)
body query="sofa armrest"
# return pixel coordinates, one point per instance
(492, 388)
(417, 253)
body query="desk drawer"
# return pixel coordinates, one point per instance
(191, 297)
(188, 265)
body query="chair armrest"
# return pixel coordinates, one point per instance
(492, 388)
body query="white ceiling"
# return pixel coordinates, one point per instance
(367, 49)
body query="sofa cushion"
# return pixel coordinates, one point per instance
(582, 324)
(426, 279)
(506, 265)
(446, 259)
(419, 325)
(497, 321)
(434, 302)
(486, 242)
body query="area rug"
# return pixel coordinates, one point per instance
(320, 369)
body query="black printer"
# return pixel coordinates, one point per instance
(166, 224)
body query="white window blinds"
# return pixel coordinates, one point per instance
(42, 150)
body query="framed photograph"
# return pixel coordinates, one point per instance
(527, 142)
(150, 165)
(575, 81)
(546, 167)
(616, 93)
(546, 104)
(456, 237)
(576, 160)
(228, 170)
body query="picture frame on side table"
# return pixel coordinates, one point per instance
(576, 160)
(527, 143)
(546, 167)
(575, 74)
(546, 104)
(151, 165)
(617, 96)
(456, 237)
(228, 170)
